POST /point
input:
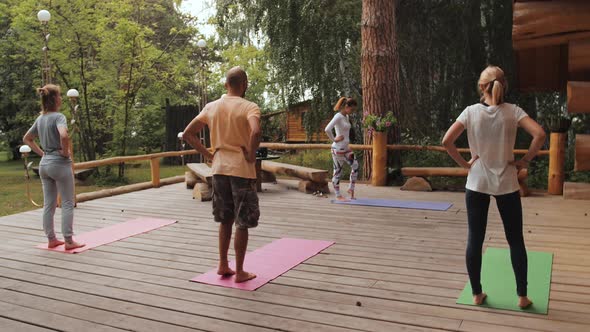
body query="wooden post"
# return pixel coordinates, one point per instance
(379, 166)
(155, 165)
(556, 163)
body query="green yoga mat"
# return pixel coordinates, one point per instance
(497, 280)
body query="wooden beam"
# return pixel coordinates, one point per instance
(545, 23)
(576, 190)
(379, 159)
(119, 160)
(155, 171)
(578, 97)
(556, 163)
(542, 69)
(434, 171)
(202, 171)
(582, 158)
(304, 173)
(579, 60)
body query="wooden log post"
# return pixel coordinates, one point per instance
(556, 163)
(379, 165)
(582, 158)
(155, 166)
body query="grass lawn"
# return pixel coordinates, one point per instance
(13, 198)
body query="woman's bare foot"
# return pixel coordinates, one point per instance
(341, 198)
(479, 298)
(54, 243)
(351, 192)
(244, 276)
(74, 245)
(225, 270)
(524, 302)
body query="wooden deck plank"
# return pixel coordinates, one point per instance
(404, 267)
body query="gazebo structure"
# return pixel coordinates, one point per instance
(552, 43)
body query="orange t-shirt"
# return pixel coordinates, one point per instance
(227, 119)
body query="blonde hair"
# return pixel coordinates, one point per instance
(344, 101)
(493, 82)
(49, 95)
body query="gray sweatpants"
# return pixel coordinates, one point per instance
(56, 176)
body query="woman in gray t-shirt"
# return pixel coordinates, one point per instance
(55, 167)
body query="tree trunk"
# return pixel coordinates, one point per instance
(380, 70)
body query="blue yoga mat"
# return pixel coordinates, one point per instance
(392, 203)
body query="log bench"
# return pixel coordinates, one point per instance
(312, 179)
(458, 172)
(200, 179)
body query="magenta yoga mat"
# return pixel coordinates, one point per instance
(112, 233)
(268, 262)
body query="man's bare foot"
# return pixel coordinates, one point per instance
(524, 302)
(244, 276)
(479, 298)
(341, 198)
(74, 245)
(54, 243)
(225, 271)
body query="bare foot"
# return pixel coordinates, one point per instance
(225, 271)
(351, 192)
(524, 302)
(244, 276)
(479, 298)
(74, 245)
(54, 243)
(341, 198)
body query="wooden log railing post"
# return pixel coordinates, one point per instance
(379, 166)
(155, 166)
(556, 163)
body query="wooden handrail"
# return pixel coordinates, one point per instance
(118, 160)
(400, 147)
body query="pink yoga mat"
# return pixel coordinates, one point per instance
(268, 262)
(113, 233)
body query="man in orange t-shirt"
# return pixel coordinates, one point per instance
(234, 125)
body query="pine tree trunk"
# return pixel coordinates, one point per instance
(380, 70)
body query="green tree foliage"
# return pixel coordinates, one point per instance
(313, 47)
(124, 56)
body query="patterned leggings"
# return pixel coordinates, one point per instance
(339, 158)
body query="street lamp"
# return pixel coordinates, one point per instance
(44, 16)
(25, 150)
(73, 95)
(202, 44)
(180, 134)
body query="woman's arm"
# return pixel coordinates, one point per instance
(449, 143)
(64, 140)
(29, 139)
(535, 130)
(330, 127)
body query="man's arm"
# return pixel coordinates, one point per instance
(190, 136)
(254, 141)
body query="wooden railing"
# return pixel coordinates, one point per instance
(155, 182)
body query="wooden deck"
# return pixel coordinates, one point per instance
(390, 269)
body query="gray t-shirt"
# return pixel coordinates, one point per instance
(46, 128)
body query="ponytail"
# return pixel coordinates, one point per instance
(339, 104)
(497, 92)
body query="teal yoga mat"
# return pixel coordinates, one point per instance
(497, 280)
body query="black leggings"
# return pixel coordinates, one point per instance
(477, 217)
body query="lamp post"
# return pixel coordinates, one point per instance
(44, 16)
(73, 95)
(202, 44)
(25, 150)
(180, 134)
